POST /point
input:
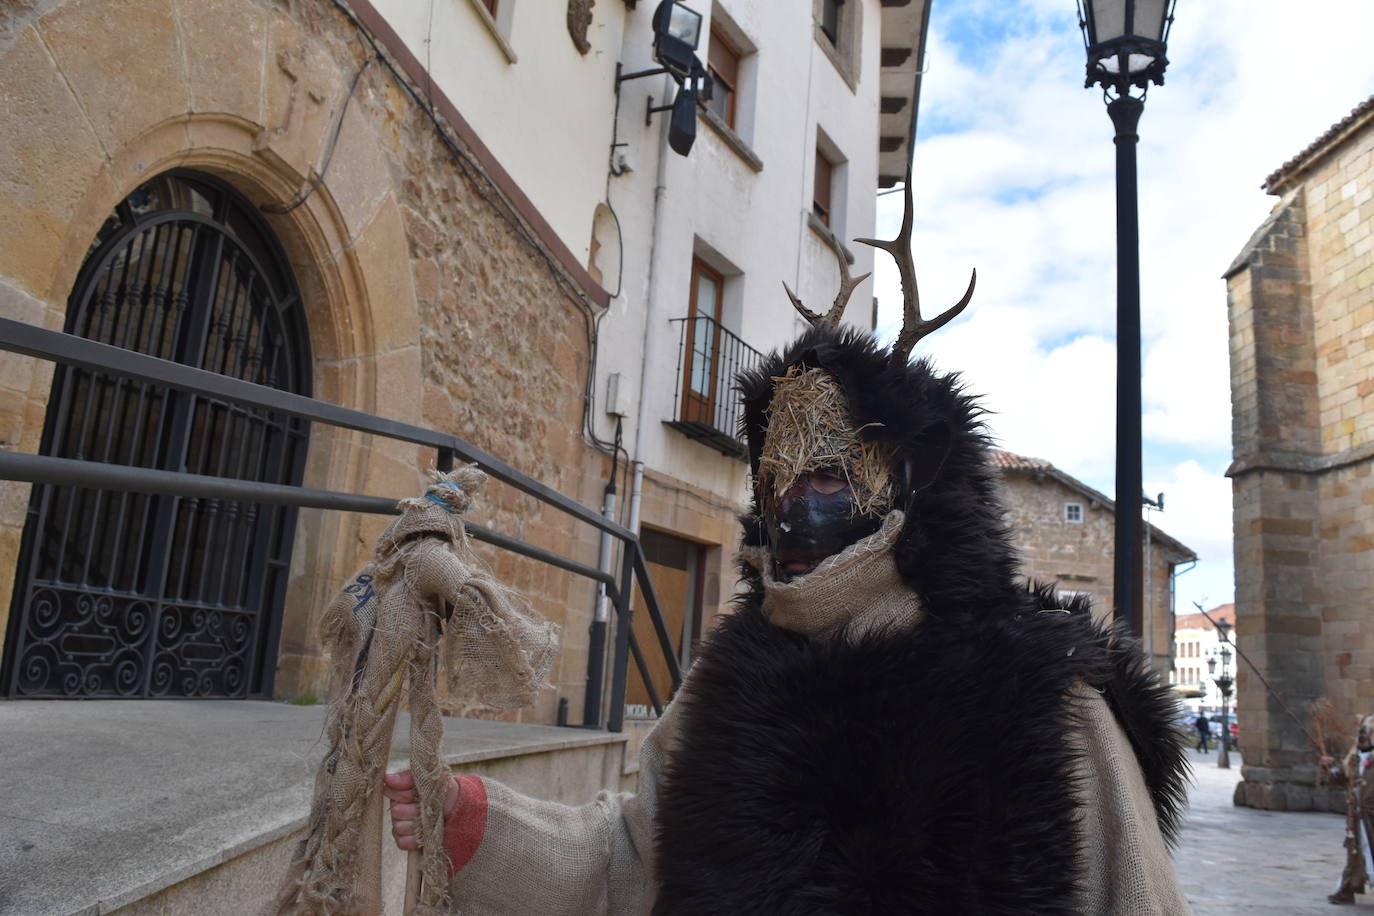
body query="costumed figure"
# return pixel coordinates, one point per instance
(888, 722)
(1359, 824)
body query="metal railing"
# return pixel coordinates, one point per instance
(70, 350)
(706, 405)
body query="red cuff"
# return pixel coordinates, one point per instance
(463, 829)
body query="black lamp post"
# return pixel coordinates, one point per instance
(1224, 684)
(1126, 41)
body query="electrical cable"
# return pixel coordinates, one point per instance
(1267, 686)
(318, 179)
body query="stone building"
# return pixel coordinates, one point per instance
(455, 215)
(457, 219)
(1065, 532)
(1300, 299)
(1196, 643)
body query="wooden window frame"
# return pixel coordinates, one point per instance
(722, 62)
(823, 188)
(696, 406)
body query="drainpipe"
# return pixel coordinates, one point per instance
(651, 298)
(636, 494)
(597, 660)
(596, 645)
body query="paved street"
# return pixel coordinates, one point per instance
(1258, 863)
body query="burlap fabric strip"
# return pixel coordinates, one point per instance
(423, 597)
(859, 587)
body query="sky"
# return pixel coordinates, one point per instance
(1015, 175)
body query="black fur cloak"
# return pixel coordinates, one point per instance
(921, 771)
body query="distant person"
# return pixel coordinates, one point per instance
(1359, 825)
(1204, 734)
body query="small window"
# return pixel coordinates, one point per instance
(722, 62)
(821, 195)
(837, 28)
(831, 20)
(496, 16)
(1073, 512)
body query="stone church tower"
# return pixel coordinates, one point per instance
(1301, 306)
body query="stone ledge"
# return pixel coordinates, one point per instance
(145, 794)
(1294, 462)
(731, 139)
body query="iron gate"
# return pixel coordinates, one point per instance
(127, 594)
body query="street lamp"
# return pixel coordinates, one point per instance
(1126, 42)
(677, 32)
(1224, 684)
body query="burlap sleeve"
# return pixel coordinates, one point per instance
(541, 858)
(1128, 870)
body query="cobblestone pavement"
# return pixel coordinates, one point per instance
(1257, 863)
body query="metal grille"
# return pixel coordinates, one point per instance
(128, 594)
(706, 404)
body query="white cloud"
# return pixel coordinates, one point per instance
(1014, 175)
(1197, 511)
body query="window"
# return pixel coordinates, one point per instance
(722, 62)
(838, 27)
(700, 378)
(831, 20)
(1073, 512)
(496, 16)
(821, 194)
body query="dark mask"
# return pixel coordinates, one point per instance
(813, 519)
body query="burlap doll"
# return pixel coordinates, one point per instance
(424, 598)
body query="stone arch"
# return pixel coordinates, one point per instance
(604, 258)
(72, 148)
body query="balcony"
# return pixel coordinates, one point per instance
(706, 404)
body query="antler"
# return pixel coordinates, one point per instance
(913, 328)
(847, 287)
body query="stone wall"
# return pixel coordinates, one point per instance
(429, 299)
(1301, 308)
(1079, 556)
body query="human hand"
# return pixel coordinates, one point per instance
(399, 788)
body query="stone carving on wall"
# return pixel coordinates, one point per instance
(579, 20)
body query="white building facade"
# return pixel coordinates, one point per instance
(813, 110)
(1199, 658)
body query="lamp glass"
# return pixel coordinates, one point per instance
(684, 24)
(1106, 20)
(1112, 19)
(1211, 666)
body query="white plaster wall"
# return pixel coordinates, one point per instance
(756, 221)
(547, 116)
(548, 119)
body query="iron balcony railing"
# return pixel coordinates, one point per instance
(71, 350)
(706, 403)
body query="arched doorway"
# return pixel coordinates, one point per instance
(124, 594)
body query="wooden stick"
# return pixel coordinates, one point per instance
(412, 881)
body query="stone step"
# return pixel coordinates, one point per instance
(195, 806)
